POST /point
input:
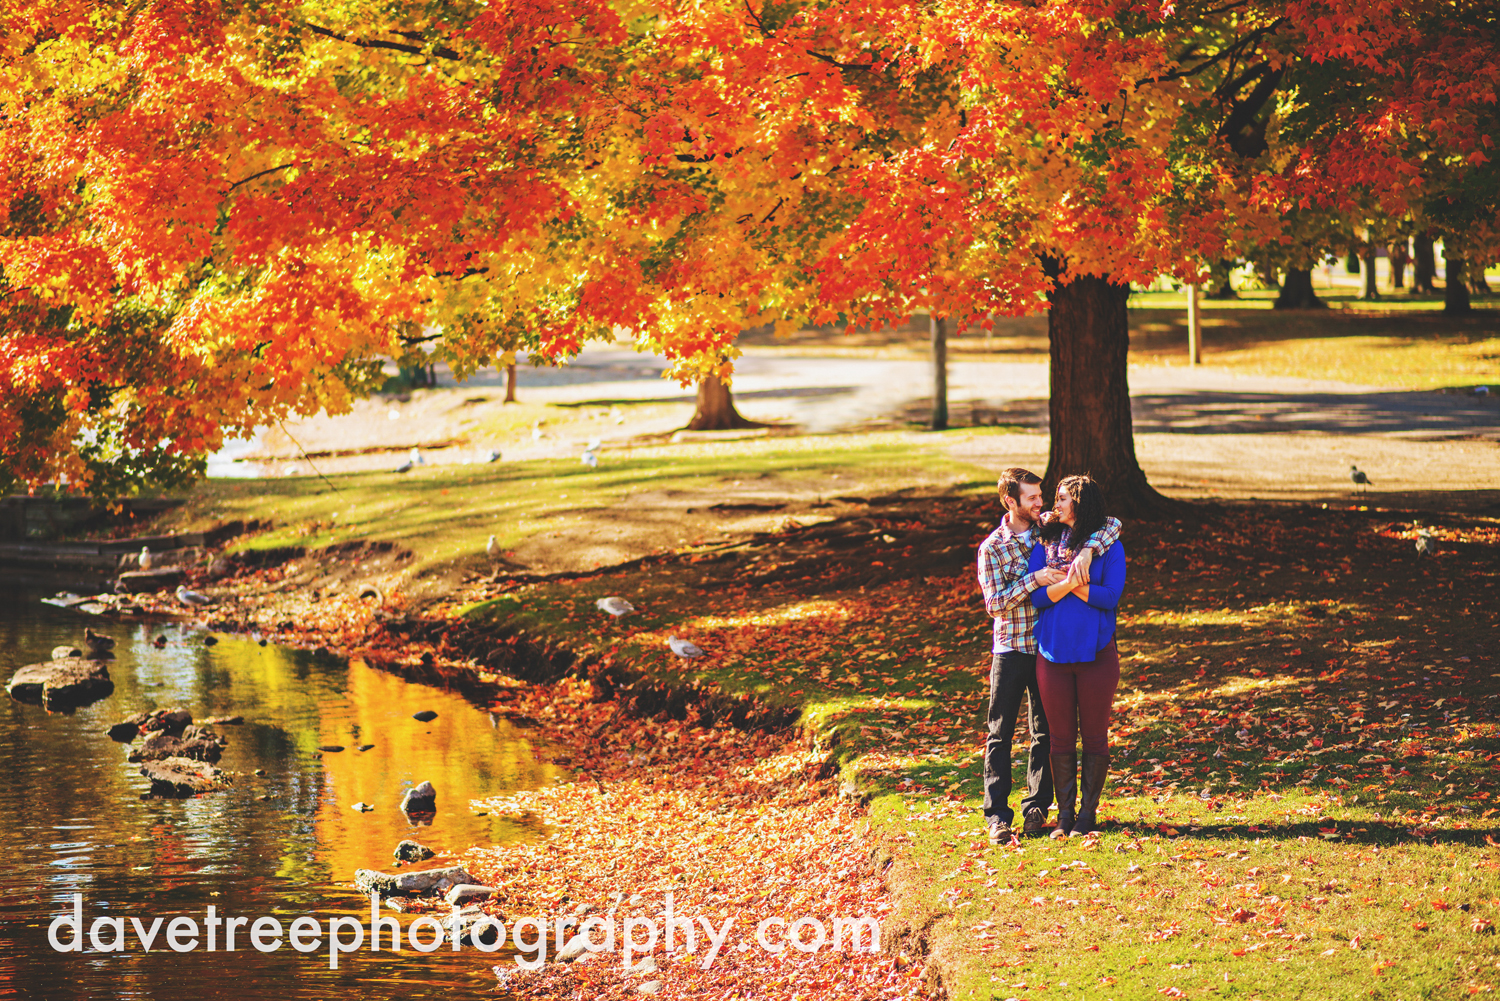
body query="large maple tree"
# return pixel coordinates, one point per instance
(216, 216)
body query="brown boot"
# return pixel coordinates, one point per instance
(1064, 783)
(1095, 771)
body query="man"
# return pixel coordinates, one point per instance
(1007, 597)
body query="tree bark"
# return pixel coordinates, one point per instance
(1424, 265)
(939, 327)
(1091, 428)
(1297, 291)
(1398, 258)
(1455, 289)
(716, 410)
(510, 383)
(1371, 290)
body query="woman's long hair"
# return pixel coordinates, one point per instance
(1088, 512)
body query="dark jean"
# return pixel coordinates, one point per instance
(1079, 698)
(1012, 675)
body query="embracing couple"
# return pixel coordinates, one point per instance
(1051, 583)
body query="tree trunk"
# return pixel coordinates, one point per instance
(716, 409)
(1477, 283)
(1297, 291)
(1371, 290)
(1455, 289)
(1091, 429)
(510, 383)
(1398, 258)
(1351, 263)
(939, 372)
(1424, 265)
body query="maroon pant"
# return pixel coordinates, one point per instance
(1078, 697)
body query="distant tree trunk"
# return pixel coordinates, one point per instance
(1220, 285)
(1267, 275)
(1371, 290)
(1477, 284)
(1455, 289)
(510, 383)
(1091, 428)
(1398, 258)
(939, 327)
(1297, 291)
(716, 409)
(1424, 265)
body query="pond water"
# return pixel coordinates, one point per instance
(281, 844)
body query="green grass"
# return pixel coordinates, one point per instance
(1303, 798)
(444, 514)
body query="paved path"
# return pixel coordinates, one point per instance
(1200, 431)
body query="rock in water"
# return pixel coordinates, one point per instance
(411, 851)
(425, 716)
(179, 778)
(64, 652)
(420, 799)
(124, 733)
(197, 746)
(62, 684)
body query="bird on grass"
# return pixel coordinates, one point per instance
(415, 457)
(615, 606)
(145, 558)
(405, 467)
(192, 598)
(1424, 543)
(684, 649)
(493, 456)
(591, 460)
(1358, 476)
(492, 548)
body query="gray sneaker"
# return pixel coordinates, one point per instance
(999, 830)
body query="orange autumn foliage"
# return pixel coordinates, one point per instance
(213, 216)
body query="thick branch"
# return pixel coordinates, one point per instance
(441, 51)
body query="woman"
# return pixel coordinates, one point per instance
(1077, 664)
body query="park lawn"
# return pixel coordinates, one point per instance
(444, 514)
(1303, 801)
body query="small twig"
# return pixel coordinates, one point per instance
(302, 450)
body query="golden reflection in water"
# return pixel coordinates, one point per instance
(465, 753)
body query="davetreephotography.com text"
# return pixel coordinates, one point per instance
(532, 938)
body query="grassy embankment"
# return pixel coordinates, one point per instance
(1303, 795)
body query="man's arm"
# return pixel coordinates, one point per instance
(1096, 545)
(1003, 584)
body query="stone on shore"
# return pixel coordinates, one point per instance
(420, 799)
(64, 652)
(410, 884)
(180, 778)
(62, 684)
(462, 923)
(464, 893)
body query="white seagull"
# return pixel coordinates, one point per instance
(684, 649)
(192, 598)
(1424, 543)
(615, 606)
(415, 457)
(145, 558)
(492, 548)
(1358, 476)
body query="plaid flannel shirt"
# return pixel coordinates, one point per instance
(1007, 587)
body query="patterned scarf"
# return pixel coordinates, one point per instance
(1059, 553)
